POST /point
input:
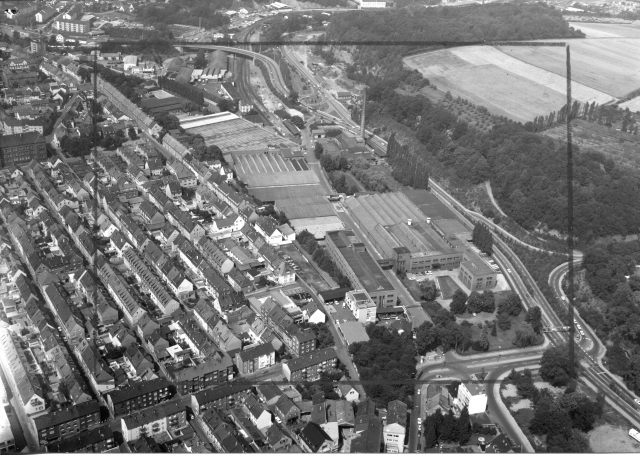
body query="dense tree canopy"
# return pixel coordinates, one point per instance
(207, 13)
(555, 366)
(482, 238)
(387, 356)
(419, 24)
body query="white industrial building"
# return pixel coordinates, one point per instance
(361, 305)
(365, 4)
(473, 395)
(203, 120)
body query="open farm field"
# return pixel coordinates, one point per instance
(604, 30)
(601, 64)
(619, 146)
(503, 84)
(632, 104)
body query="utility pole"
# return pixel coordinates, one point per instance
(362, 117)
(572, 372)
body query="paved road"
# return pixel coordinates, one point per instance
(594, 353)
(341, 346)
(507, 259)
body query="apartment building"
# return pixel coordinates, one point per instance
(309, 366)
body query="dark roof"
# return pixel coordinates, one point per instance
(67, 415)
(370, 439)
(334, 294)
(397, 413)
(312, 358)
(258, 351)
(151, 103)
(223, 391)
(499, 444)
(138, 389)
(13, 140)
(81, 440)
(314, 436)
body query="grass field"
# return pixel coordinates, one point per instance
(531, 79)
(619, 146)
(601, 64)
(503, 84)
(603, 30)
(632, 104)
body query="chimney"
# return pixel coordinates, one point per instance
(482, 443)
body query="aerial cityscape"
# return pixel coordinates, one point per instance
(319, 226)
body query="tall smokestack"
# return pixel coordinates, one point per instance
(364, 107)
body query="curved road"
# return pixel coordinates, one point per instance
(595, 350)
(591, 372)
(271, 64)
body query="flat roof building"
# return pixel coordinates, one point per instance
(353, 332)
(402, 233)
(473, 395)
(356, 263)
(476, 274)
(361, 305)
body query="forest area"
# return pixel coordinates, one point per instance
(504, 21)
(527, 171)
(203, 13)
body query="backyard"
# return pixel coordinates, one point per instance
(307, 272)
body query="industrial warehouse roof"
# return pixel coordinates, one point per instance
(363, 265)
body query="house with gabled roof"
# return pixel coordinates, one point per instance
(277, 440)
(146, 326)
(256, 358)
(274, 235)
(347, 390)
(287, 410)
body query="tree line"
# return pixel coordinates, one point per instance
(321, 257)
(205, 13)
(482, 238)
(408, 168)
(418, 24)
(439, 428)
(601, 114)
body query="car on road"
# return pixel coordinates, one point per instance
(581, 333)
(419, 421)
(508, 270)
(278, 419)
(439, 376)
(419, 391)
(637, 401)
